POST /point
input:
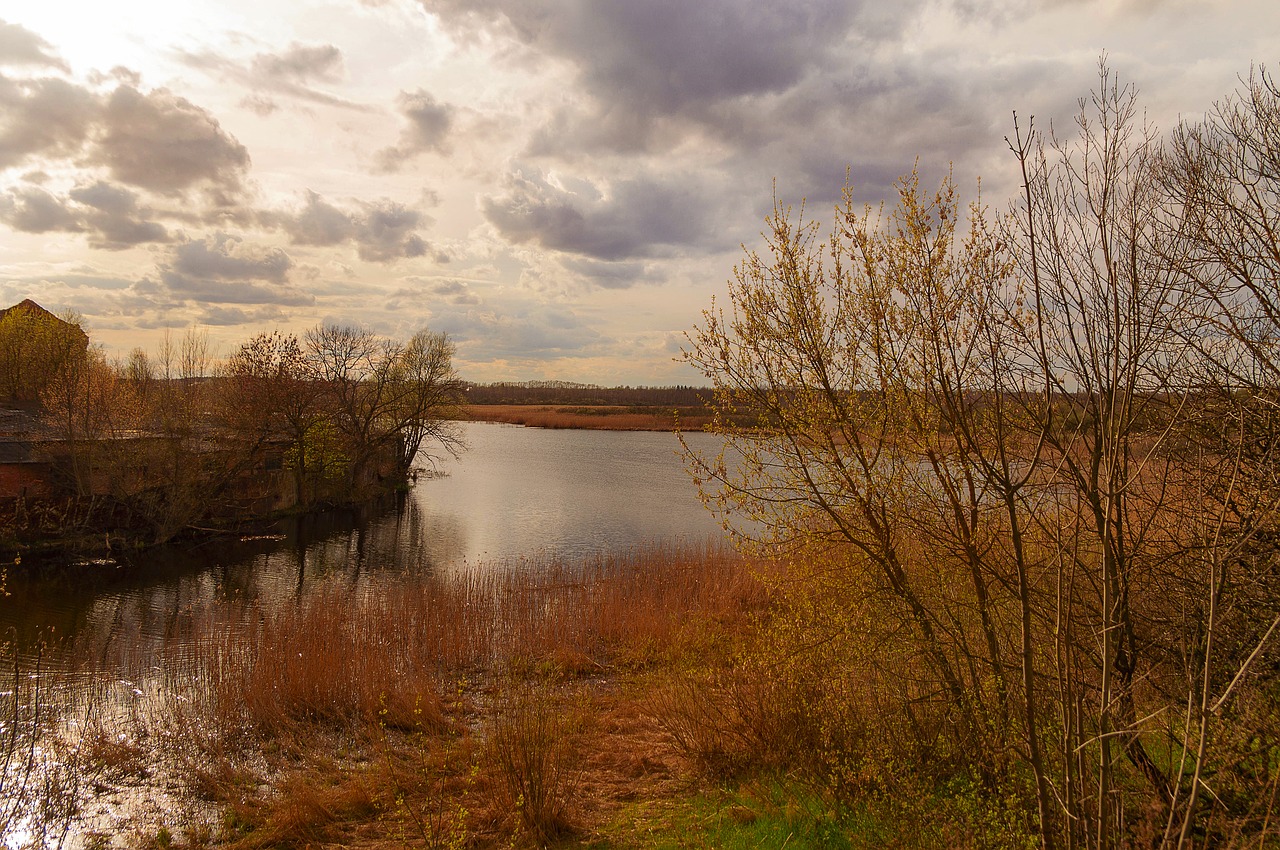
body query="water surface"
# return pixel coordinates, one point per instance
(515, 493)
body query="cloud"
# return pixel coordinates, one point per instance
(168, 145)
(454, 291)
(647, 66)
(223, 269)
(301, 62)
(428, 124)
(33, 210)
(317, 223)
(222, 316)
(608, 275)
(154, 140)
(431, 291)
(623, 219)
(115, 218)
(795, 91)
(289, 72)
(516, 330)
(109, 214)
(46, 117)
(386, 232)
(20, 46)
(226, 257)
(382, 230)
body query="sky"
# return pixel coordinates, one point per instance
(562, 186)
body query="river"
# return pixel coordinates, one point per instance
(102, 644)
(515, 493)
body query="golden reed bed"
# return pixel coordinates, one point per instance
(596, 417)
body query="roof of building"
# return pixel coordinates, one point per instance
(21, 422)
(31, 308)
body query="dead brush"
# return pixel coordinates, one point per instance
(532, 747)
(307, 809)
(115, 756)
(431, 781)
(704, 729)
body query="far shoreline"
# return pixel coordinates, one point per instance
(596, 417)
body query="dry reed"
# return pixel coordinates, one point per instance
(334, 658)
(398, 679)
(596, 418)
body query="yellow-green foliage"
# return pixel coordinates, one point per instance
(35, 346)
(1023, 549)
(320, 453)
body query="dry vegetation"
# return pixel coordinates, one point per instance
(1027, 464)
(1021, 480)
(523, 703)
(593, 417)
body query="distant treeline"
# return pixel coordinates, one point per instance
(559, 392)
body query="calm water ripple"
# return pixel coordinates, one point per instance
(515, 493)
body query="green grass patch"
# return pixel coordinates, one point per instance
(757, 814)
(782, 813)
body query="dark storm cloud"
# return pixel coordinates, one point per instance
(636, 218)
(381, 230)
(428, 122)
(168, 145)
(45, 117)
(20, 46)
(792, 91)
(668, 53)
(647, 63)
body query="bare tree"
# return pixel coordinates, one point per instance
(383, 397)
(270, 393)
(993, 449)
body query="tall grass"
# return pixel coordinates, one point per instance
(358, 704)
(385, 656)
(533, 746)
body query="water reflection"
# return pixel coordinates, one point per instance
(516, 492)
(121, 635)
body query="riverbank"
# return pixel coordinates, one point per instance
(592, 417)
(33, 539)
(613, 704)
